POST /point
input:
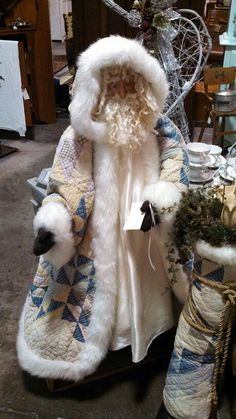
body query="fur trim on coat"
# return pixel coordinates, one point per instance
(67, 321)
(110, 51)
(224, 255)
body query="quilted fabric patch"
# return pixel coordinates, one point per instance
(68, 296)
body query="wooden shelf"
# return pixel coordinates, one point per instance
(9, 31)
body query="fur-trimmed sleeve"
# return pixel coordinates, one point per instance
(165, 193)
(71, 180)
(173, 153)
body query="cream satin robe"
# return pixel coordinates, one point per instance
(144, 311)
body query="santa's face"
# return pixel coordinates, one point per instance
(127, 107)
(121, 87)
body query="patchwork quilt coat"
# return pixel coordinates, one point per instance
(68, 321)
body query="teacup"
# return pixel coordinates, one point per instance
(215, 153)
(198, 152)
(195, 173)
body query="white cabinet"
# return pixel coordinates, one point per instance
(12, 113)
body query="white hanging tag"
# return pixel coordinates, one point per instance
(135, 217)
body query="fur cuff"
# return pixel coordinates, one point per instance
(54, 217)
(224, 255)
(163, 195)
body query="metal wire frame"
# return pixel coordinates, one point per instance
(205, 38)
(188, 52)
(191, 47)
(118, 9)
(132, 18)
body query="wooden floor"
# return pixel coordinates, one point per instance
(59, 59)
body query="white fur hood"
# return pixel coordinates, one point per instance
(113, 50)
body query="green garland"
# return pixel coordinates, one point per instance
(153, 21)
(160, 21)
(199, 218)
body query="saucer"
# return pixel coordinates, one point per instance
(195, 164)
(204, 178)
(206, 163)
(210, 162)
(215, 163)
(227, 176)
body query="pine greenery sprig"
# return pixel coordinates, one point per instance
(199, 218)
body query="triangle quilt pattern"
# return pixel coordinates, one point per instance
(41, 313)
(67, 315)
(54, 305)
(78, 334)
(81, 210)
(216, 275)
(62, 277)
(198, 266)
(84, 318)
(72, 299)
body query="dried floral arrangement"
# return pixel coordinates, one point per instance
(199, 217)
(154, 16)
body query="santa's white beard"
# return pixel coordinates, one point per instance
(128, 120)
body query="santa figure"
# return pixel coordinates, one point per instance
(98, 286)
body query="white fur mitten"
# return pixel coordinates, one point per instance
(165, 197)
(54, 220)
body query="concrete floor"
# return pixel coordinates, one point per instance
(133, 394)
(136, 393)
